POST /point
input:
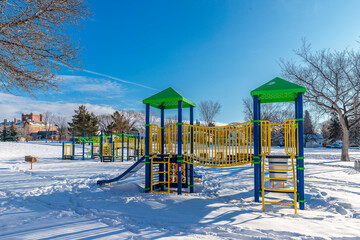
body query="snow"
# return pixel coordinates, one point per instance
(59, 199)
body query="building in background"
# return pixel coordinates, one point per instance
(32, 127)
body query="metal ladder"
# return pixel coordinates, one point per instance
(156, 172)
(279, 168)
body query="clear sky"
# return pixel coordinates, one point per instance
(206, 50)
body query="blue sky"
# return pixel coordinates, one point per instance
(206, 50)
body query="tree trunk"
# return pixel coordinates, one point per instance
(345, 145)
(345, 139)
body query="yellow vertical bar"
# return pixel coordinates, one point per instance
(263, 184)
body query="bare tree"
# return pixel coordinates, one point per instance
(208, 110)
(105, 121)
(24, 132)
(171, 120)
(48, 118)
(62, 126)
(332, 80)
(274, 113)
(140, 120)
(34, 42)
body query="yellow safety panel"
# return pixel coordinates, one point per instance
(68, 149)
(212, 146)
(155, 139)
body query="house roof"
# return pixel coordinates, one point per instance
(277, 90)
(168, 99)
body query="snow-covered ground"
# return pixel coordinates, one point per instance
(59, 199)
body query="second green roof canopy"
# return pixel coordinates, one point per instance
(278, 90)
(168, 99)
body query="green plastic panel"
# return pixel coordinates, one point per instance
(278, 90)
(168, 99)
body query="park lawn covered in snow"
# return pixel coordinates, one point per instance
(59, 199)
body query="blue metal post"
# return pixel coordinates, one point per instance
(147, 148)
(296, 145)
(73, 146)
(83, 152)
(191, 148)
(256, 155)
(301, 152)
(162, 125)
(122, 146)
(63, 151)
(101, 145)
(260, 165)
(179, 156)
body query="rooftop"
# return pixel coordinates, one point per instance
(277, 90)
(168, 99)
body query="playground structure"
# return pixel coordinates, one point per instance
(171, 152)
(116, 147)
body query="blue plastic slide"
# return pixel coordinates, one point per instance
(197, 175)
(128, 173)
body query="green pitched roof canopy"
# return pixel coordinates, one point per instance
(168, 99)
(277, 90)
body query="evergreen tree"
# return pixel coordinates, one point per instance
(12, 134)
(334, 128)
(308, 125)
(4, 134)
(121, 122)
(83, 121)
(308, 128)
(355, 134)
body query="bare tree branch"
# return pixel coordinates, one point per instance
(208, 110)
(34, 39)
(332, 80)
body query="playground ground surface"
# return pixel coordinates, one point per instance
(59, 199)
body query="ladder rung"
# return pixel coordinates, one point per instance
(279, 190)
(279, 178)
(159, 162)
(160, 182)
(278, 170)
(285, 203)
(276, 165)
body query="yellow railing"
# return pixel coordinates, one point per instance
(213, 146)
(66, 151)
(290, 137)
(155, 139)
(265, 136)
(220, 146)
(289, 130)
(107, 149)
(171, 139)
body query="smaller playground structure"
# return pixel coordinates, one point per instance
(114, 148)
(172, 152)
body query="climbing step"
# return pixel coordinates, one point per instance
(278, 168)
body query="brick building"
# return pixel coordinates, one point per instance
(31, 127)
(31, 117)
